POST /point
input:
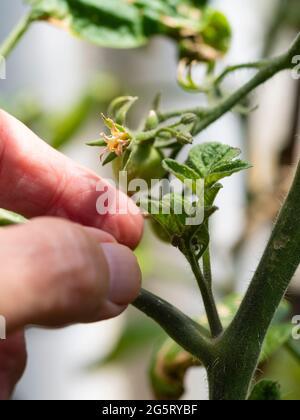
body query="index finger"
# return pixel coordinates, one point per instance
(36, 180)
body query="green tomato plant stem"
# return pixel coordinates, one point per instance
(207, 295)
(15, 36)
(234, 353)
(207, 267)
(187, 333)
(240, 347)
(231, 357)
(267, 69)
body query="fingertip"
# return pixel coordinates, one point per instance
(127, 224)
(124, 274)
(100, 235)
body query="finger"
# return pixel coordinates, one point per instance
(12, 363)
(100, 235)
(55, 273)
(36, 180)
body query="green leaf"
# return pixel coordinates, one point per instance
(211, 193)
(173, 213)
(9, 218)
(97, 143)
(216, 30)
(109, 158)
(266, 391)
(214, 161)
(182, 172)
(130, 24)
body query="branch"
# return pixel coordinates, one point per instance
(186, 332)
(207, 295)
(11, 41)
(268, 68)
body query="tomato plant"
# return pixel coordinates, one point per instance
(232, 346)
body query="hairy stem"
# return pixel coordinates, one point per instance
(11, 41)
(187, 333)
(207, 295)
(241, 344)
(207, 267)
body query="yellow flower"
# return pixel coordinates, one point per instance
(119, 138)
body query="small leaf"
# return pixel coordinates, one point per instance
(97, 143)
(266, 390)
(183, 222)
(9, 218)
(170, 213)
(211, 193)
(182, 172)
(109, 158)
(214, 161)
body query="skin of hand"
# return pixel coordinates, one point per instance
(68, 264)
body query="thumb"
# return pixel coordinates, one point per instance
(55, 273)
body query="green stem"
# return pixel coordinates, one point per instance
(207, 295)
(272, 67)
(268, 69)
(187, 333)
(207, 267)
(241, 344)
(243, 66)
(11, 41)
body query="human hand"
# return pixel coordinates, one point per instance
(55, 272)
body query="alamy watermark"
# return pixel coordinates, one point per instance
(2, 68)
(2, 328)
(186, 199)
(296, 69)
(296, 329)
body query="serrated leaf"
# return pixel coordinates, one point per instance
(179, 170)
(266, 390)
(171, 213)
(175, 215)
(214, 161)
(10, 218)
